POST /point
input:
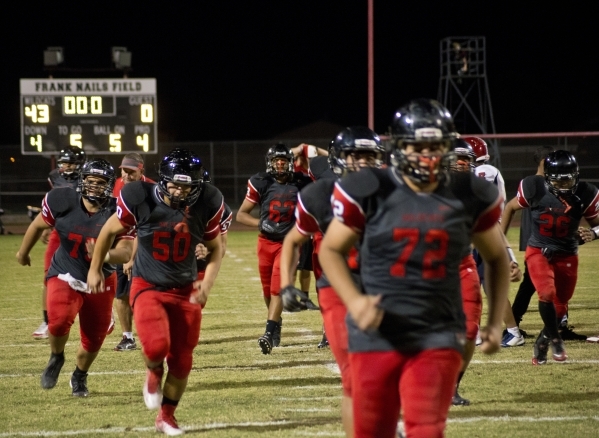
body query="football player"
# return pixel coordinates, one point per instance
(406, 324)
(171, 218)
(511, 336)
(275, 193)
(132, 169)
(77, 217)
(66, 174)
(557, 201)
(352, 149)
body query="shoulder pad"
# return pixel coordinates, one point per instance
(62, 199)
(319, 167)
(212, 196)
(262, 175)
(136, 192)
(361, 184)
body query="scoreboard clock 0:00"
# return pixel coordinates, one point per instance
(99, 115)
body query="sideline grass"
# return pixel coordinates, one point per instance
(235, 391)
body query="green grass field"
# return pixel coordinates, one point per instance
(235, 391)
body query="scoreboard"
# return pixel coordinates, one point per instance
(102, 116)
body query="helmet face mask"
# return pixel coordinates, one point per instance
(182, 168)
(353, 148)
(465, 157)
(561, 173)
(75, 157)
(423, 139)
(274, 164)
(92, 188)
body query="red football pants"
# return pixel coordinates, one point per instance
(421, 384)
(333, 315)
(471, 297)
(554, 280)
(269, 264)
(168, 325)
(53, 245)
(95, 310)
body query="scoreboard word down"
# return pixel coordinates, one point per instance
(98, 115)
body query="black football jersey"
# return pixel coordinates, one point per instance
(167, 237)
(555, 222)
(63, 209)
(277, 202)
(412, 246)
(225, 223)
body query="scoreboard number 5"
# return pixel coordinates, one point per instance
(115, 142)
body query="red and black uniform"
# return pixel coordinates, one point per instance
(412, 247)
(56, 179)
(313, 216)
(277, 204)
(123, 284)
(552, 248)
(165, 268)
(63, 209)
(225, 223)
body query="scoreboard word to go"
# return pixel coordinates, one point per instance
(98, 115)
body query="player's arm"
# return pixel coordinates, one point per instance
(32, 235)
(127, 267)
(214, 259)
(508, 213)
(334, 249)
(244, 214)
(490, 245)
(104, 254)
(290, 253)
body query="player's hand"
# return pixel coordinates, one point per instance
(23, 260)
(491, 337)
(365, 312)
(89, 247)
(515, 273)
(198, 295)
(95, 281)
(586, 234)
(128, 269)
(201, 251)
(45, 237)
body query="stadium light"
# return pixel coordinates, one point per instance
(121, 57)
(53, 56)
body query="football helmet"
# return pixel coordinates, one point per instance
(422, 121)
(71, 155)
(101, 168)
(275, 152)
(479, 146)
(561, 173)
(464, 156)
(354, 140)
(181, 166)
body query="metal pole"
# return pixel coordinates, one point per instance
(370, 65)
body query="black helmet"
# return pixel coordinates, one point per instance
(465, 156)
(561, 166)
(422, 121)
(183, 167)
(350, 140)
(73, 155)
(101, 168)
(279, 150)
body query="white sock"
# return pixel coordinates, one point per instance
(514, 331)
(128, 335)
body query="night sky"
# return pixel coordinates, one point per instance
(251, 70)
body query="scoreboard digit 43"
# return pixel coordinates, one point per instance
(99, 115)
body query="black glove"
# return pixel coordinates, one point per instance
(268, 227)
(293, 299)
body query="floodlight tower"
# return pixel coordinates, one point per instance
(464, 88)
